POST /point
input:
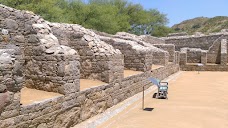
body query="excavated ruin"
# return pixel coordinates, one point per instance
(54, 61)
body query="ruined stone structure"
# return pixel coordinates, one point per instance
(159, 55)
(206, 49)
(53, 57)
(98, 60)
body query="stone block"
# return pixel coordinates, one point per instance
(183, 58)
(204, 57)
(223, 52)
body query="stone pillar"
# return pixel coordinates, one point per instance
(223, 52)
(170, 48)
(10, 84)
(183, 58)
(112, 68)
(10, 70)
(160, 58)
(204, 57)
(177, 57)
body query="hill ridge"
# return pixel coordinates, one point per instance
(202, 24)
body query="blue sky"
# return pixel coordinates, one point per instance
(180, 10)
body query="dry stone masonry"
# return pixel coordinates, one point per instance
(98, 60)
(53, 57)
(170, 48)
(160, 56)
(151, 39)
(136, 57)
(199, 48)
(224, 52)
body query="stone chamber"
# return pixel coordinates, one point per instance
(58, 75)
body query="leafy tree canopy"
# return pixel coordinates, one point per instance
(109, 16)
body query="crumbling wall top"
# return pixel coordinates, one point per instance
(87, 36)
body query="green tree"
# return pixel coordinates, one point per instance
(161, 31)
(151, 20)
(52, 10)
(109, 16)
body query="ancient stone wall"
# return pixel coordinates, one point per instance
(193, 55)
(136, 57)
(160, 56)
(11, 74)
(31, 54)
(213, 67)
(204, 57)
(151, 39)
(69, 110)
(98, 60)
(177, 34)
(170, 48)
(214, 52)
(211, 42)
(202, 42)
(41, 53)
(54, 73)
(177, 57)
(183, 56)
(224, 52)
(11, 81)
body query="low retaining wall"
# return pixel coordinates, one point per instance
(71, 109)
(204, 68)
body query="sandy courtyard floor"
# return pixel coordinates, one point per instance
(156, 66)
(30, 96)
(195, 101)
(128, 73)
(87, 83)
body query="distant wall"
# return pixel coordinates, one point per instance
(152, 39)
(202, 42)
(194, 55)
(160, 56)
(170, 48)
(211, 42)
(136, 56)
(224, 52)
(223, 68)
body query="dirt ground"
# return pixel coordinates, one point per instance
(156, 66)
(128, 73)
(86, 83)
(29, 96)
(195, 101)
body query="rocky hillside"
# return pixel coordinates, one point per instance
(202, 24)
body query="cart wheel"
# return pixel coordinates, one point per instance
(154, 95)
(157, 96)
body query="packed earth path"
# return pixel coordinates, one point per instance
(195, 100)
